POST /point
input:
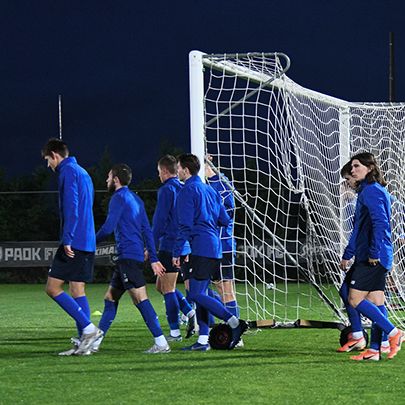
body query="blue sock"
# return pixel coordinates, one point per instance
(184, 305)
(198, 292)
(384, 311)
(84, 304)
(69, 305)
(352, 313)
(233, 308)
(172, 310)
(372, 312)
(375, 337)
(109, 313)
(188, 297)
(214, 294)
(202, 320)
(150, 317)
(211, 320)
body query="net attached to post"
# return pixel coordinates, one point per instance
(282, 147)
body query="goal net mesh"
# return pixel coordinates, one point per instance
(282, 147)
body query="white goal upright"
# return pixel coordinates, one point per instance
(282, 146)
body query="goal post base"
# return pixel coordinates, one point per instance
(299, 323)
(262, 323)
(305, 323)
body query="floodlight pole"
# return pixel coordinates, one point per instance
(391, 77)
(60, 115)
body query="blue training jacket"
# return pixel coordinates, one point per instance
(165, 224)
(371, 236)
(128, 220)
(76, 197)
(226, 232)
(200, 214)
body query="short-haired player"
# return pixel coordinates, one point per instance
(74, 258)
(164, 228)
(200, 215)
(128, 220)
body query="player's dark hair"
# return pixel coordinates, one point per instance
(57, 146)
(369, 160)
(168, 162)
(346, 169)
(189, 161)
(123, 172)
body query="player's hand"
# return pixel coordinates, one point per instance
(373, 262)
(158, 269)
(145, 255)
(176, 262)
(68, 251)
(187, 259)
(344, 264)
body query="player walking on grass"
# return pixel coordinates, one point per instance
(200, 214)
(127, 219)
(164, 228)
(74, 259)
(370, 244)
(356, 340)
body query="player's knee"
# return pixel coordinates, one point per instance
(48, 291)
(138, 295)
(137, 300)
(353, 302)
(167, 290)
(228, 298)
(108, 297)
(52, 291)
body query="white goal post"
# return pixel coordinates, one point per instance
(282, 146)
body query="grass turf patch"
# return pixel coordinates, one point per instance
(275, 366)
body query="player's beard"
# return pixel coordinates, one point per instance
(111, 188)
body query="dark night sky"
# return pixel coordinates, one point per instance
(122, 66)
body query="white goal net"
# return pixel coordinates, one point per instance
(282, 147)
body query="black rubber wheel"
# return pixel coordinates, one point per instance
(344, 335)
(220, 337)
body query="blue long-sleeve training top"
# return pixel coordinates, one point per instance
(200, 213)
(128, 220)
(371, 236)
(165, 224)
(76, 197)
(226, 232)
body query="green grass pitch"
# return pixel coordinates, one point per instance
(283, 366)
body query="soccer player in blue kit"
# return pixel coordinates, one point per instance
(200, 214)
(74, 259)
(356, 340)
(128, 220)
(370, 243)
(164, 228)
(223, 279)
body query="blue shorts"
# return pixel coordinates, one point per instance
(128, 273)
(365, 277)
(78, 268)
(203, 268)
(166, 259)
(226, 270)
(185, 270)
(348, 276)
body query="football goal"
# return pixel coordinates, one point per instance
(282, 146)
